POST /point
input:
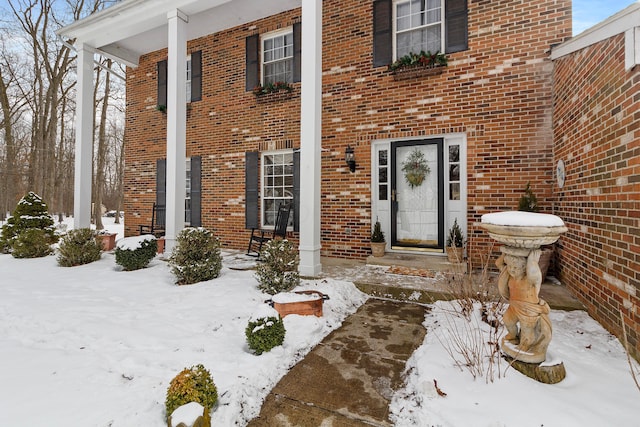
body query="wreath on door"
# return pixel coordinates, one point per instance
(415, 168)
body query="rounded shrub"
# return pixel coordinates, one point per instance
(78, 247)
(264, 333)
(134, 253)
(278, 271)
(193, 384)
(31, 243)
(196, 256)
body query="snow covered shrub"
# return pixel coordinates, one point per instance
(196, 257)
(31, 243)
(30, 213)
(193, 384)
(134, 253)
(278, 271)
(78, 247)
(264, 333)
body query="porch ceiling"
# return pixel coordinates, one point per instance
(135, 27)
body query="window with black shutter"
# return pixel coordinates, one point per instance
(401, 27)
(193, 79)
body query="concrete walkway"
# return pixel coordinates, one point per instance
(350, 377)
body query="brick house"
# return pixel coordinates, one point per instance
(482, 124)
(507, 110)
(597, 153)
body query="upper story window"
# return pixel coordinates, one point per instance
(404, 26)
(418, 26)
(277, 57)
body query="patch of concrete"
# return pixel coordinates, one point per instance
(349, 378)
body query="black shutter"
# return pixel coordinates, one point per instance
(162, 83)
(253, 62)
(196, 76)
(382, 33)
(456, 22)
(251, 191)
(296, 190)
(161, 186)
(297, 52)
(196, 191)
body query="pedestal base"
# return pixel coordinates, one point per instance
(547, 374)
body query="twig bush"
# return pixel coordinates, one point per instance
(473, 323)
(78, 247)
(196, 257)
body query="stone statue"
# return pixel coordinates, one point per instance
(527, 317)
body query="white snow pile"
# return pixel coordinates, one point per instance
(96, 346)
(522, 219)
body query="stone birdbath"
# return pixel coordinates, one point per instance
(527, 317)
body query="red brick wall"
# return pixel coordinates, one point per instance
(498, 92)
(597, 135)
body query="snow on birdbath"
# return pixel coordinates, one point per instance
(527, 317)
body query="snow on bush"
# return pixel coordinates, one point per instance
(278, 271)
(196, 257)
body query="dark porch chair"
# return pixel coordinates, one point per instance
(157, 226)
(258, 237)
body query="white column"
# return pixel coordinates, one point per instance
(176, 125)
(310, 138)
(84, 139)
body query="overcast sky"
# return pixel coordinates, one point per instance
(587, 13)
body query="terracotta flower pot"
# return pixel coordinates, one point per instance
(107, 241)
(377, 249)
(312, 305)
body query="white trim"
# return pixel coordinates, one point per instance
(272, 35)
(622, 21)
(394, 29)
(311, 139)
(384, 213)
(631, 48)
(263, 198)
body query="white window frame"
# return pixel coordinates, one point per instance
(264, 196)
(187, 196)
(395, 26)
(263, 63)
(188, 78)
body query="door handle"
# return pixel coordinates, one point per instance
(393, 195)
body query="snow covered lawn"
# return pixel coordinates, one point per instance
(96, 346)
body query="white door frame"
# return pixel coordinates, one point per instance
(381, 191)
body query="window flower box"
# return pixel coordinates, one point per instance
(418, 65)
(273, 92)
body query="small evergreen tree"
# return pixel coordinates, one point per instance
(528, 201)
(30, 213)
(377, 236)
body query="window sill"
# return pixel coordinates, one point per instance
(416, 72)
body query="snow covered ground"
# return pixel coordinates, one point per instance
(95, 346)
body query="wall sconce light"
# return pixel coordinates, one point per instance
(350, 158)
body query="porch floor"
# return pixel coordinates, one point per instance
(425, 278)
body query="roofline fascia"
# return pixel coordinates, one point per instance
(618, 23)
